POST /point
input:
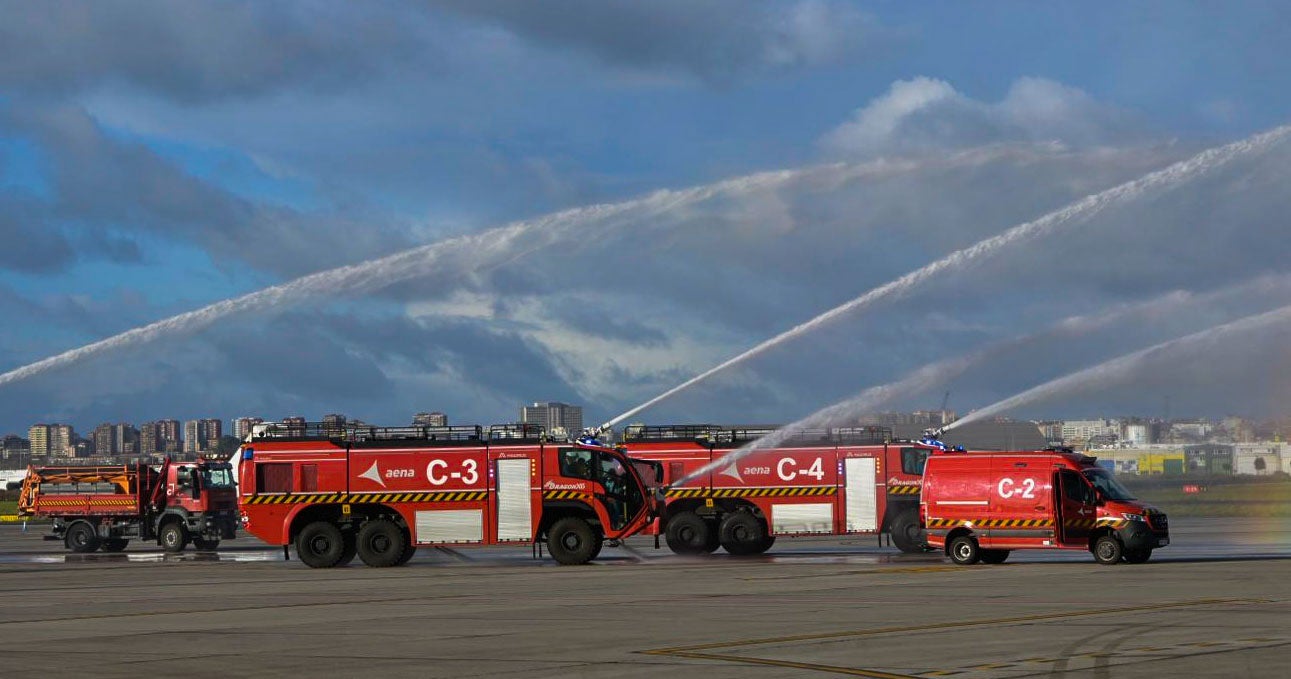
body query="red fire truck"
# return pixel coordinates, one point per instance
(334, 492)
(980, 506)
(103, 507)
(851, 481)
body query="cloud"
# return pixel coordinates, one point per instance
(28, 241)
(716, 40)
(110, 187)
(925, 114)
(200, 51)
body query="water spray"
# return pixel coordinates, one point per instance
(1120, 366)
(476, 252)
(940, 372)
(1072, 213)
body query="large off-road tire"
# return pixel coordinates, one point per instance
(1138, 555)
(173, 537)
(112, 545)
(350, 547)
(994, 555)
(742, 534)
(688, 533)
(964, 551)
(407, 554)
(205, 545)
(907, 535)
(81, 538)
(320, 545)
(572, 541)
(1108, 550)
(381, 543)
(713, 541)
(766, 543)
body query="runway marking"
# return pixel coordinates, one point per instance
(702, 651)
(1129, 656)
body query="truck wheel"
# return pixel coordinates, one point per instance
(1108, 551)
(713, 542)
(351, 544)
(572, 541)
(407, 554)
(114, 545)
(994, 555)
(81, 538)
(204, 545)
(1138, 555)
(320, 545)
(408, 551)
(173, 537)
(381, 543)
(742, 534)
(964, 550)
(687, 533)
(907, 535)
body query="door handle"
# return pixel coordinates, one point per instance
(1039, 508)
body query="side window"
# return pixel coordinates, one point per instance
(1073, 487)
(913, 460)
(184, 478)
(576, 463)
(273, 477)
(308, 478)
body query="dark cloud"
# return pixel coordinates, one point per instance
(29, 241)
(713, 39)
(199, 51)
(111, 187)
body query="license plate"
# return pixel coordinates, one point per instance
(1162, 542)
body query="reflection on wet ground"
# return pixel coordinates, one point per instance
(1192, 540)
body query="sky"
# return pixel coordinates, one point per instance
(157, 157)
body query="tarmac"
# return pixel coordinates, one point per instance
(1216, 603)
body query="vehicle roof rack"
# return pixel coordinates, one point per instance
(319, 431)
(728, 436)
(517, 432)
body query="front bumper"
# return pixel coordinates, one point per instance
(1138, 536)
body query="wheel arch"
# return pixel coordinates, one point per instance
(955, 533)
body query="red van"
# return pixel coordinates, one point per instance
(981, 506)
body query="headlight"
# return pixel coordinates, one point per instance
(1134, 517)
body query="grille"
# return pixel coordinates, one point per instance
(1159, 520)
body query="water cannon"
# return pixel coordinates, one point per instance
(591, 437)
(932, 437)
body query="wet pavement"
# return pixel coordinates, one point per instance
(1216, 603)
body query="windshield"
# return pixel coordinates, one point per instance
(217, 476)
(1108, 487)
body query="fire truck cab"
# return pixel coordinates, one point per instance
(334, 492)
(980, 506)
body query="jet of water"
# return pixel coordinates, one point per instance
(490, 248)
(1081, 209)
(845, 413)
(1122, 366)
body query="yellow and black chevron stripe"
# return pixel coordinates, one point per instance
(364, 498)
(565, 495)
(82, 502)
(1090, 523)
(991, 523)
(903, 489)
(751, 492)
